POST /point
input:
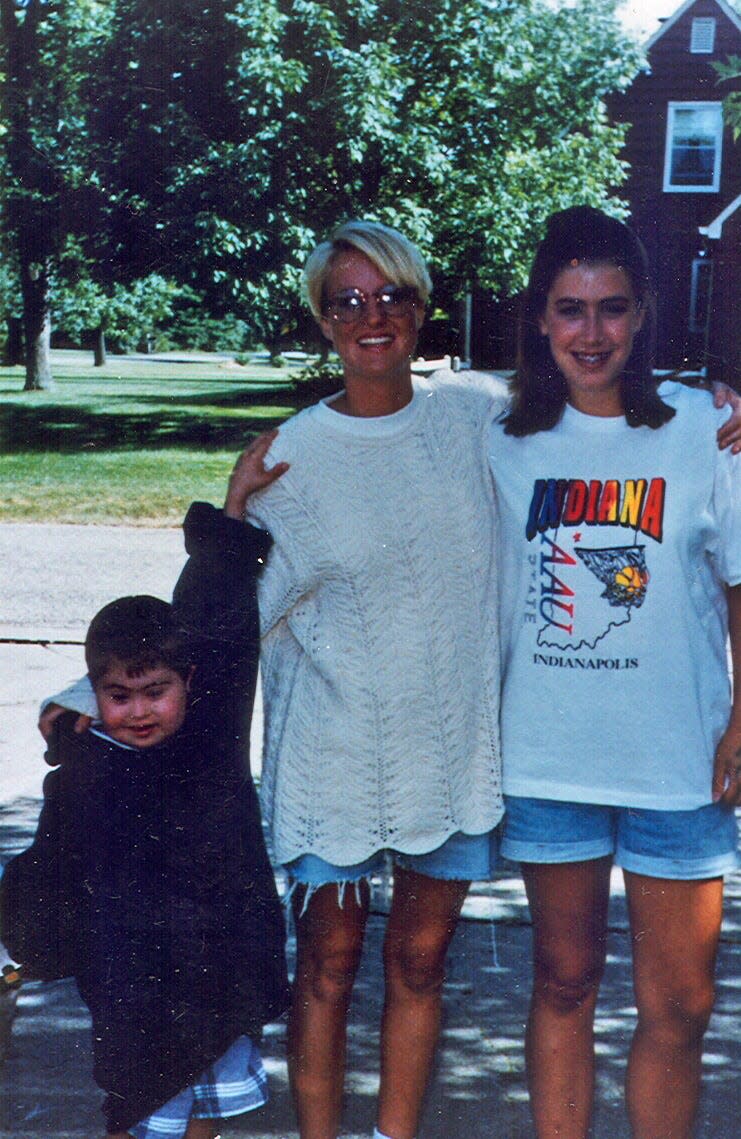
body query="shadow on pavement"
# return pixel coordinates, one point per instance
(478, 1089)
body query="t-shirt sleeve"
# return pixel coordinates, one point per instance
(77, 697)
(727, 504)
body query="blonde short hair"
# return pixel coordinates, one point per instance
(393, 254)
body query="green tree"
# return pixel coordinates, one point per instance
(730, 72)
(48, 46)
(250, 130)
(212, 145)
(11, 303)
(465, 123)
(129, 315)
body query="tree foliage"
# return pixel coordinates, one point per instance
(48, 48)
(729, 71)
(212, 144)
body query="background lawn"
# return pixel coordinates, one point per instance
(133, 442)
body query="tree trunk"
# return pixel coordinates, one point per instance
(36, 326)
(99, 352)
(14, 353)
(32, 205)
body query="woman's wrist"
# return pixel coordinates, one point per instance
(235, 506)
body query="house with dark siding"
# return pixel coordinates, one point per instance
(684, 187)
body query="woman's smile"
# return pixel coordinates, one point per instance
(377, 346)
(591, 318)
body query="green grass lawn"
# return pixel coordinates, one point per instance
(133, 442)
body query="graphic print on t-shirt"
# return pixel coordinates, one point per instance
(583, 591)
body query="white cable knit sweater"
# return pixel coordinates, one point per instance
(378, 607)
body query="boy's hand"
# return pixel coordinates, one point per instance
(51, 713)
(729, 435)
(250, 474)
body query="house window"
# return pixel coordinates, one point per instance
(702, 38)
(693, 148)
(702, 279)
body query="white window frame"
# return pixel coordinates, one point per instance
(672, 109)
(702, 36)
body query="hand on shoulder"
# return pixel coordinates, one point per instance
(729, 435)
(51, 714)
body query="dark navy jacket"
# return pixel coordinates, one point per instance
(148, 880)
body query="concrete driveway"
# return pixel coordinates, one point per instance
(54, 579)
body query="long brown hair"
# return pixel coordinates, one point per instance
(539, 390)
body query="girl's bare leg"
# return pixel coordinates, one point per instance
(424, 914)
(675, 928)
(329, 944)
(568, 906)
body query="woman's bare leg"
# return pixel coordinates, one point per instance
(329, 944)
(675, 928)
(568, 906)
(424, 914)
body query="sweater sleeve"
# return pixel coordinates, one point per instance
(291, 572)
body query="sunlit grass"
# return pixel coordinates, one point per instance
(133, 442)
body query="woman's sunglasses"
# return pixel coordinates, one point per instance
(352, 304)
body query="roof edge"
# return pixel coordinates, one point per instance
(715, 228)
(669, 22)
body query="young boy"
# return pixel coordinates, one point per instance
(148, 880)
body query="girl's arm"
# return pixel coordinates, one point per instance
(727, 770)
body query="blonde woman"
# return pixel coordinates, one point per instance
(380, 672)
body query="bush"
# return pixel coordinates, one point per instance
(318, 380)
(191, 327)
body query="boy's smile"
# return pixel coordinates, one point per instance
(143, 710)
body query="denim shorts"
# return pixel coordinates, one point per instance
(232, 1085)
(685, 845)
(462, 857)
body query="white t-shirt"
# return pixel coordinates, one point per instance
(617, 543)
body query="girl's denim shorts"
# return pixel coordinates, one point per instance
(684, 845)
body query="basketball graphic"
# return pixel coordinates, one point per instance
(622, 570)
(631, 579)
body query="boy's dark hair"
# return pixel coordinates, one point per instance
(539, 391)
(139, 633)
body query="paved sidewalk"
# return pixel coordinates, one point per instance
(54, 578)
